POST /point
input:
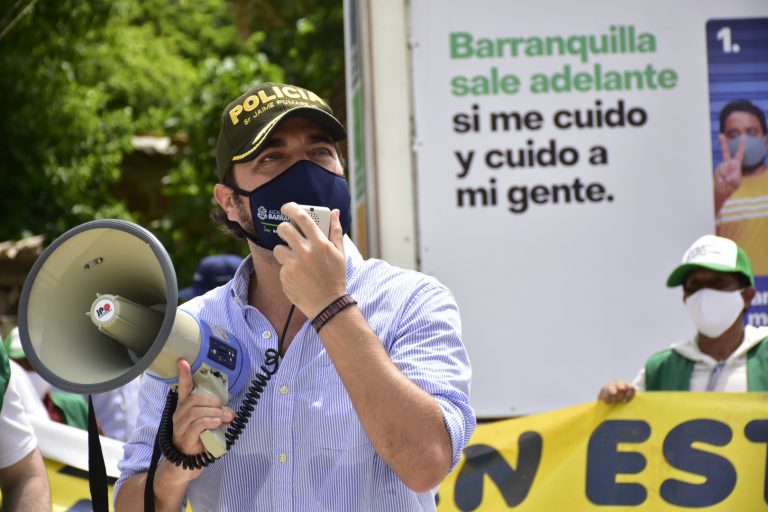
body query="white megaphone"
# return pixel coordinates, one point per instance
(99, 308)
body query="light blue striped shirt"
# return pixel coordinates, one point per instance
(304, 448)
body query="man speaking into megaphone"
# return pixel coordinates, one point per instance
(369, 408)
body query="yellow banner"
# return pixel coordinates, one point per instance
(660, 452)
(69, 488)
(70, 491)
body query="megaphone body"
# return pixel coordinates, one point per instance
(99, 307)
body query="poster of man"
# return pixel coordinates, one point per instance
(738, 70)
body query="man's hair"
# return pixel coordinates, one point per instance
(743, 280)
(742, 106)
(219, 216)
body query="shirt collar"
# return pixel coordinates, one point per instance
(690, 348)
(238, 286)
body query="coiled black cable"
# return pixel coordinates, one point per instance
(268, 369)
(165, 438)
(257, 386)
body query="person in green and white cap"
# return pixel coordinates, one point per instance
(724, 355)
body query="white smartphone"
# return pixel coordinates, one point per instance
(321, 215)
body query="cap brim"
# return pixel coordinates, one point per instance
(679, 275)
(324, 119)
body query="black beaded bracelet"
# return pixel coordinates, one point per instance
(331, 310)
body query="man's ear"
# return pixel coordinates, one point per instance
(225, 196)
(748, 295)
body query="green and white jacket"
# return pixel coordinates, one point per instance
(684, 367)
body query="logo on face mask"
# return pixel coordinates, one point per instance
(261, 213)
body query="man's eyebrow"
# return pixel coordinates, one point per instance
(320, 138)
(274, 142)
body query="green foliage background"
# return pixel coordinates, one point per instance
(79, 79)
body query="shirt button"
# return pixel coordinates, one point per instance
(283, 390)
(266, 335)
(282, 458)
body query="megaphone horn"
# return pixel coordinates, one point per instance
(99, 308)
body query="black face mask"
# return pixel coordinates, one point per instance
(304, 182)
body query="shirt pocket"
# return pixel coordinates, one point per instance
(333, 418)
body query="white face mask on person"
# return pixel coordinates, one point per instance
(714, 311)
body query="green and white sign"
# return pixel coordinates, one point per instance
(563, 165)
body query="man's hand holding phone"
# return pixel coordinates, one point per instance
(313, 270)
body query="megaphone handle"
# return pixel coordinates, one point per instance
(206, 382)
(201, 460)
(215, 441)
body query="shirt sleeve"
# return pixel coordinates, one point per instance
(137, 452)
(18, 438)
(639, 382)
(428, 349)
